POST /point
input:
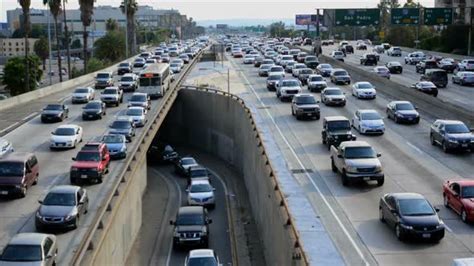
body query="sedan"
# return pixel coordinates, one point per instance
(324, 70)
(66, 136)
(394, 67)
(116, 144)
(263, 70)
(123, 125)
(83, 95)
(463, 78)
(411, 215)
(333, 96)
(138, 114)
(402, 111)
(5, 147)
(458, 196)
(30, 249)
(183, 165)
(427, 87)
(63, 207)
(368, 122)
(201, 193)
(382, 71)
(54, 112)
(364, 90)
(93, 110)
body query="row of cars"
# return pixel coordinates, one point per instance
(409, 214)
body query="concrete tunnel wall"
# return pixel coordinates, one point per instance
(221, 126)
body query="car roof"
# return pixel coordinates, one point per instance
(112, 87)
(357, 143)
(29, 239)
(139, 93)
(304, 95)
(365, 111)
(406, 195)
(199, 253)
(124, 118)
(16, 157)
(400, 102)
(336, 118)
(197, 167)
(190, 210)
(128, 75)
(449, 122)
(187, 158)
(314, 75)
(68, 126)
(135, 107)
(64, 189)
(199, 181)
(331, 88)
(463, 182)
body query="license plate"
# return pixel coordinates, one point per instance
(426, 235)
(464, 145)
(366, 178)
(309, 114)
(411, 118)
(84, 176)
(3, 192)
(90, 116)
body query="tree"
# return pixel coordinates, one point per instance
(25, 6)
(111, 25)
(55, 9)
(66, 35)
(87, 9)
(129, 8)
(17, 84)
(76, 44)
(42, 50)
(111, 47)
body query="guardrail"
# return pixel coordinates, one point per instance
(96, 232)
(290, 223)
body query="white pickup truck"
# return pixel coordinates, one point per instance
(356, 161)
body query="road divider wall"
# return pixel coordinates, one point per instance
(222, 125)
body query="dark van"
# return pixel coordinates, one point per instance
(18, 172)
(439, 77)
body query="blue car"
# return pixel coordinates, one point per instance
(117, 145)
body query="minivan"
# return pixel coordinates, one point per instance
(18, 172)
(439, 77)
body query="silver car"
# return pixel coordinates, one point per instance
(30, 249)
(200, 192)
(5, 147)
(138, 114)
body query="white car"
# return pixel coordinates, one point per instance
(466, 65)
(66, 136)
(288, 88)
(285, 59)
(337, 55)
(276, 70)
(368, 122)
(364, 90)
(202, 257)
(175, 67)
(83, 95)
(249, 59)
(178, 61)
(200, 192)
(138, 114)
(316, 83)
(5, 147)
(296, 68)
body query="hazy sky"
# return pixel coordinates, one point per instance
(227, 9)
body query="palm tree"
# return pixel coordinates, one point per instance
(25, 6)
(55, 9)
(129, 10)
(111, 25)
(87, 10)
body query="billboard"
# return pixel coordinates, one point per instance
(303, 20)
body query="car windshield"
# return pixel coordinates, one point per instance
(113, 139)
(339, 125)
(290, 83)
(204, 261)
(428, 85)
(65, 131)
(340, 73)
(325, 66)
(93, 106)
(306, 71)
(370, 116)
(337, 53)
(276, 69)
(138, 65)
(11, 169)
(126, 79)
(188, 161)
(198, 172)
(102, 76)
(467, 192)
(404, 106)
(311, 59)
(456, 129)
(364, 86)
(22, 253)
(381, 70)
(60, 199)
(88, 157)
(274, 77)
(81, 91)
(134, 112)
(121, 124)
(199, 188)
(123, 65)
(109, 91)
(264, 67)
(54, 107)
(333, 92)
(138, 98)
(190, 219)
(175, 65)
(317, 78)
(305, 100)
(415, 207)
(359, 153)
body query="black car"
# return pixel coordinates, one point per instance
(54, 112)
(191, 227)
(349, 49)
(438, 77)
(124, 68)
(93, 110)
(427, 87)
(451, 135)
(411, 216)
(182, 165)
(394, 67)
(368, 60)
(336, 129)
(311, 61)
(272, 81)
(402, 112)
(422, 66)
(197, 172)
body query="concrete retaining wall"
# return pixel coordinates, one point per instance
(224, 127)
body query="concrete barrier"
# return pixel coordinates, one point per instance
(224, 126)
(454, 56)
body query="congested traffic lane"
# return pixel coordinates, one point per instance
(453, 93)
(410, 164)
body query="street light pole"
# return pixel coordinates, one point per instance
(126, 28)
(49, 48)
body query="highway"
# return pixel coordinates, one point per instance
(410, 164)
(456, 94)
(17, 215)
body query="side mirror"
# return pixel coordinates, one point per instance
(379, 155)
(442, 131)
(354, 137)
(104, 158)
(187, 190)
(437, 209)
(127, 140)
(339, 156)
(40, 201)
(209, 221)
(472, 129)
(394, 211)
(73, 158)
(49, 257)
(171, 222)
(52, 132)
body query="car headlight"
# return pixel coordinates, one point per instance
(74, 169)
(351, 169)
(399, 114)
(453, 140)
(69, 142)
(378, 168)
(409, 227)
(123, 148)
(38, 215)
(176, 233)
(69, 217)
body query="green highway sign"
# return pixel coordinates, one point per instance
(357, 17)
(405, 16)
(438, 16)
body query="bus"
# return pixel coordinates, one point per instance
(155, 80)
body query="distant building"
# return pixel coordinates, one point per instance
(462, 9)
(15, 47)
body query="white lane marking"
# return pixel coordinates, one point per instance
(353, 243)
(180, 200)
(9, 127)
(53, 183)
(64, 98)
(415, 148)
(30, 116)
(447, 228)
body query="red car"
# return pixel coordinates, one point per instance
(90, 164)
(459, 196)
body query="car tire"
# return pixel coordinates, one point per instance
(380, 182)
(398, 233)
(76, 223)
(333, 166)
(464, 216)
(292, 112)
(395, 118)
(23, 192)
(432, 140)
(445, 148)
(99, 179)
(345, 180)
(381, 216)
(445, 201)
(35, 182)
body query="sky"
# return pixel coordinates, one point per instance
(226, 9)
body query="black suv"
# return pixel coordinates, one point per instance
(424, 65)
(451, 135)
(191, 227)
(336, 129)
(368, 60)
(439, 77)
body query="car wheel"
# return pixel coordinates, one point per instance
(75, 143)
(381, 217)
(76, 222)
(380, 182)
(398, 233)
(445, 201)
(333, 166)
(35, 182)
(292, 112)
(99, 179)
(345, 180)
(358, 129)
(464, 215)
(445, 147)
(395, 118)
(432, 140)
(23, 192)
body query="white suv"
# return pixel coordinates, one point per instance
(202, 257)
(288, 88)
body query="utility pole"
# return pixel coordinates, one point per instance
(49, 48)
(469, 41)
(126, 28)
(67, 42)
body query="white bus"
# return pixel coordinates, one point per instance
(155, 80)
